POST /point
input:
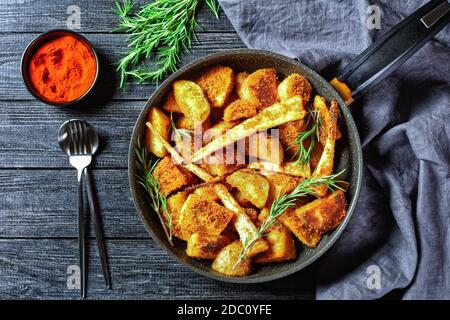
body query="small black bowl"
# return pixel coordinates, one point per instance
(36, 44)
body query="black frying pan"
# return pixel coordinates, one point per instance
(361, 75)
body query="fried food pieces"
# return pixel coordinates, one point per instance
(218, 204)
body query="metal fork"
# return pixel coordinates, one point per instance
(80, 157)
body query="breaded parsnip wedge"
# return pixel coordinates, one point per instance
(312, 220)
(278, 113)
(326, 162)
(292, 168)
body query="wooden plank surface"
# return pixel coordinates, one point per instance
(28, 133)
(44, 204)
(96, 16)
(38, 212)
(139, 270)
(108, 46)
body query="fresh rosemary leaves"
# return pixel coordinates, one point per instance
(303, 154)
(145, 166)
(286, 201)
(161, 30)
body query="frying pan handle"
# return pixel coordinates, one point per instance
(391, 50)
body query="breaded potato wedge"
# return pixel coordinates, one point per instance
(252, 214)
(193, 103)
(174, 204)
(184, 122)
(281, 184)
(266, 148)
(217, 164)
(239, 109)
(203, 216)
(254, 188)
(241, 199)
(217, 130)
(288, 134)
(326, 162)
(162, 124)
(270, 117)
(295, 85)
(261, 88)
(312, 220)
(217, 84)
(240, 77)
(226, 261)
(207, 193)
(291, 168)
(201, 246)
(281, 244)
(170, 104)
(172, 177)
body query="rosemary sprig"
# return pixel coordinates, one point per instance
(286, 201)
(303, 154)
(162, 30)
(146, 165)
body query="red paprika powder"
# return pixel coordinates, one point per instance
(62, 69)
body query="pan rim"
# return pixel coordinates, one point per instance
(357, 149)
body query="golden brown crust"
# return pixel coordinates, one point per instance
(217, 165)
(261, 87)
(170, 104)
(174, 204)
(201, 246)
(252, 214)
(217, 83)
(172, 177)
(240, 77)
(281, 246)
(253, 187)
(207, 192)
(240, 109)
(281, 184)
(312, 220)
(217, 130)
(289, 133)
(295, 85)
(203, 216)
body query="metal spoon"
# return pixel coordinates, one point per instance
(80, 141)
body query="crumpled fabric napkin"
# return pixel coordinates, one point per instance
(398, 240)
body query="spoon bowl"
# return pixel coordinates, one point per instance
(65, 140)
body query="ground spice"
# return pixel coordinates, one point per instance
(62, 69)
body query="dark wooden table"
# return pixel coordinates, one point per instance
(38, 193)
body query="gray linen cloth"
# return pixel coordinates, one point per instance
(400, 231)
